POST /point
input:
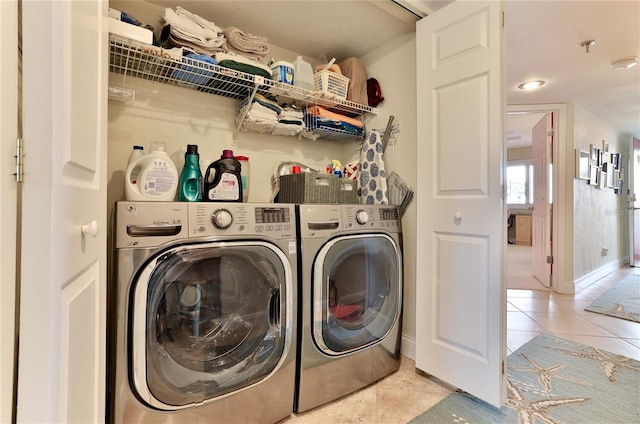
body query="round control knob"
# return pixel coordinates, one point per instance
(221, 219)
(362, 217)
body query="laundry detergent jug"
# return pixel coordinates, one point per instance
(222, 180)
(157, 176)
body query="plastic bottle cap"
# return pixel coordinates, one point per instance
(138, 148)
(296, 169)
(227, 154)
(242, 158)
(192, 149)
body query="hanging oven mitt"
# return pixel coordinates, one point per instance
(372, 182)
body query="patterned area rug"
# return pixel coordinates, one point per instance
(553, 380)
(620, 301)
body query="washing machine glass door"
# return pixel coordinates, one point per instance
(209, 319)
(357, 285)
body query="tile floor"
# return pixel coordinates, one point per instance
(405, 394)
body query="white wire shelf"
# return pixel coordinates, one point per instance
(152, 63)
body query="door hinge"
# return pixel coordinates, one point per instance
(503, 370)
(19, 174)
(550, 259)
(550, 280)
(502, 19)
(551, 133)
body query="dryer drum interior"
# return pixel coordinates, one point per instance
(360, 296)
(213, 320)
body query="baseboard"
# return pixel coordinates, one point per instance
(408, 347)
(603, 271)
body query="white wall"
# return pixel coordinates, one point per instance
(394, 66)
(600, 215)
(179, 116)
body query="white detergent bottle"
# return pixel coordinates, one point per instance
(157, 176)
(303, 76)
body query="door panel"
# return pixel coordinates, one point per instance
(460, 298)
(64, 242)
(634, 202)
(541, 216)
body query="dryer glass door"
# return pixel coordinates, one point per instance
(209, 319)
(356, 292)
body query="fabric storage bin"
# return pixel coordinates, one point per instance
(331, 83)
(309, 187)
(349, 191)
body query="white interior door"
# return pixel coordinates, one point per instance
(634, 202)
(8, 194)
(542, 146)
(460, 295)
(62, 334)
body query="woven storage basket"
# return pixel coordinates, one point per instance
(330, 82)
(349, 191)
(309, 187)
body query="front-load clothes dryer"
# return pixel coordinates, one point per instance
(351, 299)
(205, 313)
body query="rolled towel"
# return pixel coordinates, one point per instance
(252, 46)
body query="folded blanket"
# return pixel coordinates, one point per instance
(242, 64)
(249, 45)
(195, 48)
(323, 113)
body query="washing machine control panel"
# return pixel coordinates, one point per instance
(269, 220)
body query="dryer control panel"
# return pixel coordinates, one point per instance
(379, 217)
(241, 219)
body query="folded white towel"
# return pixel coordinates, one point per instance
(199, 20)
(185, 28)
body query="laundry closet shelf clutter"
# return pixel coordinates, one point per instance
(139, 60)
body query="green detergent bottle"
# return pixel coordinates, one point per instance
(190, 185)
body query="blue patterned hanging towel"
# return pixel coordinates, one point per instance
(372, 181)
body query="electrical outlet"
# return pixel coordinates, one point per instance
(605, 251)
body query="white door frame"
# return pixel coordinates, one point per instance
(562, 218)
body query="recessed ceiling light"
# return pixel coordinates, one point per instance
(531, 85)
(626, 63)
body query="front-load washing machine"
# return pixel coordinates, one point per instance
(351, 299)
(205, 297)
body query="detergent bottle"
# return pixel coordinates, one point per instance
(224, 184)
(136, 152)
(157, 176)
(244, 174)
(190, 184)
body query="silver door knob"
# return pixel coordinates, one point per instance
(90, 229)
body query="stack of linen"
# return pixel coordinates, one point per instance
(268, 117)
(193, 32)
(230, 47)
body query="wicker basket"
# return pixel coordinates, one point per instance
(349, 191)
(332, 83)
(309, 187)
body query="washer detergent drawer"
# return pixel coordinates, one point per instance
(357, 284)
(207, 320)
